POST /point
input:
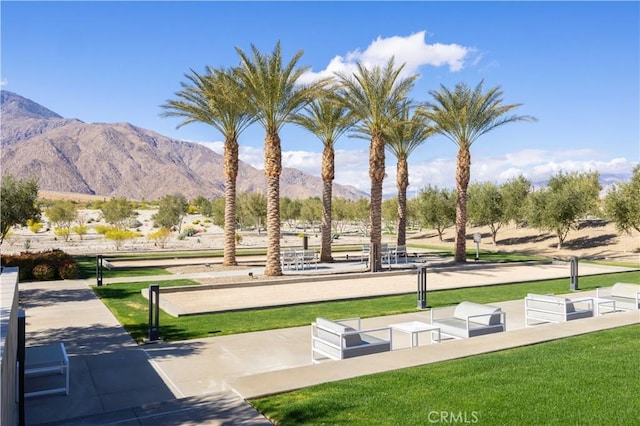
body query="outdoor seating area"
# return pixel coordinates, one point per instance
(298, 259)
(338, 340)
(342, 339)
(390, 253)
(544, 308)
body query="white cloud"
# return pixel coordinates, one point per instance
(4, 82)
(217, 146)
(252, 155)
(306, 161)
(411, 50)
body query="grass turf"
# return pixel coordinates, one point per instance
(131, 309)
(588, 379)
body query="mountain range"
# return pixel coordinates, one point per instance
(122, 160)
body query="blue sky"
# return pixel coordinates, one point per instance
(572, 65)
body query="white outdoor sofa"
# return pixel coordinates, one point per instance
(621, 296)
(544, 308)
(337, 340)
(470, 320)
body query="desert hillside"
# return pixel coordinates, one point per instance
(123, 160)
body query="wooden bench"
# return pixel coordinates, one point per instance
(47, 360)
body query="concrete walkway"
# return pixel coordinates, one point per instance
(205, 381)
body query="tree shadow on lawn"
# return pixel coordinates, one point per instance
(591, 242)
(530, 239)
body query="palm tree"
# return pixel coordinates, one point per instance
(273, 91)
(217, 98)
(328, 121)
(405, 134)
(463, 116)
(373, 95)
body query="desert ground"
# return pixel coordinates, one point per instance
(594, 239)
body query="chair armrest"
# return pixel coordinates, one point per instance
(503, 319)
(378, 330)
(588, 300)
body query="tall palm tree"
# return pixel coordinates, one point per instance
(328, 121)
(217, 98)
(405, 134)
(463, 115)
(373, 95)
(276, 96)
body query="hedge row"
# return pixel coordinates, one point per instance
(43, 266)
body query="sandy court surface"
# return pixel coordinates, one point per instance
(192, 300)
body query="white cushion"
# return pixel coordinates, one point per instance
(349, 340)
(625, 290)
(466, 309)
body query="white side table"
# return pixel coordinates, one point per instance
(414, 328)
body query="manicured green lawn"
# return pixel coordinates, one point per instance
(584, 380)
(131, 309)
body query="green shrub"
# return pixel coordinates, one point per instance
(43, 272)
(102, 229)
(119, 237)
(160, 237)
(69, 270)
(188, 232)
(44, 265)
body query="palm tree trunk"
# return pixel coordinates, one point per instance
(376, 173)
(463, 174)
(325, 250)
(328, 174)
(231, 173)
(273, 169)
(402, 182)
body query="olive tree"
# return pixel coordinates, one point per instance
(63, 213)
(567, 198)
(486, 207)
(118, 212)
(17, 203)
(514, 199)
(622, 204)
(171, 211)
(436, 208)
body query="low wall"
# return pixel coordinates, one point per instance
(8, 345)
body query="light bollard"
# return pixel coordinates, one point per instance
(422, 287)
(99, 269)
(154, 313)
(573, 263)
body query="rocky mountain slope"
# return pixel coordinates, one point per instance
(119, 159)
